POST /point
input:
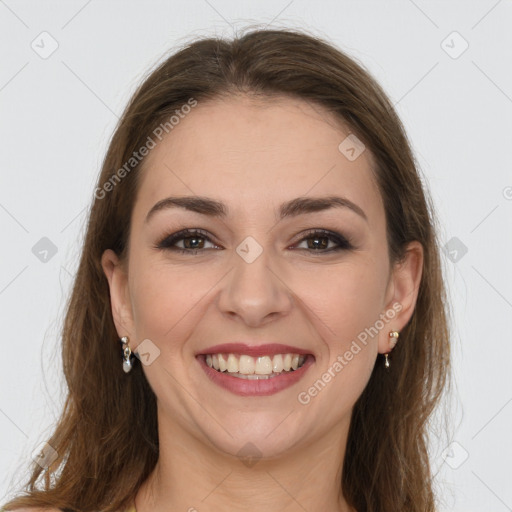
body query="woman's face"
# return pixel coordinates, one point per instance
(257, 275)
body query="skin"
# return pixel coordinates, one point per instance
(254, 155)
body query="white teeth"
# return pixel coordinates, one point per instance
(232, 363)
(223, 364)
(263, 365)
(254, 376)
(277, 363)
(245, 366)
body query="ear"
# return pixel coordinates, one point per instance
(402, 293)
(119, 293)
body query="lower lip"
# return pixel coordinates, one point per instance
(262, 387)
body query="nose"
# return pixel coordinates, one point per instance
(255, 292)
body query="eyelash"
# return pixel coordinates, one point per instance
(168, 241)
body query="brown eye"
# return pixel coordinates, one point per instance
(193, 241)
(318, 241)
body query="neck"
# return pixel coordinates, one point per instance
(193, 476)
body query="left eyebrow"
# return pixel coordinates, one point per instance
(294, 207)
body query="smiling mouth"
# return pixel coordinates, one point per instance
(255, 368)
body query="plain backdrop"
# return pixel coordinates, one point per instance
(67, 70)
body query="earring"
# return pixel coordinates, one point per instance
(393, 338)
(127, 363)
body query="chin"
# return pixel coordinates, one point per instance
(267, 438)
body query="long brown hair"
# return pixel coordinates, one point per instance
(106, 439)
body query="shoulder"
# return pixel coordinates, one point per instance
(32, 509)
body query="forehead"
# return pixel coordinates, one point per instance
(248, 152)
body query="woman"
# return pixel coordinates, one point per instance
(260, 240)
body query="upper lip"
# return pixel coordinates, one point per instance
(269, 349)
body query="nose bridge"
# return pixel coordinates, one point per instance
(254, 290)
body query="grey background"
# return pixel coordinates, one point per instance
(58, 112)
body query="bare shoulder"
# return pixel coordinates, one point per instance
(32, 509)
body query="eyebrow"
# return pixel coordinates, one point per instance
(292, 208)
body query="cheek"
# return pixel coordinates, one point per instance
(346, 299)
(166, 301)
(349, 310)
(346, 309)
